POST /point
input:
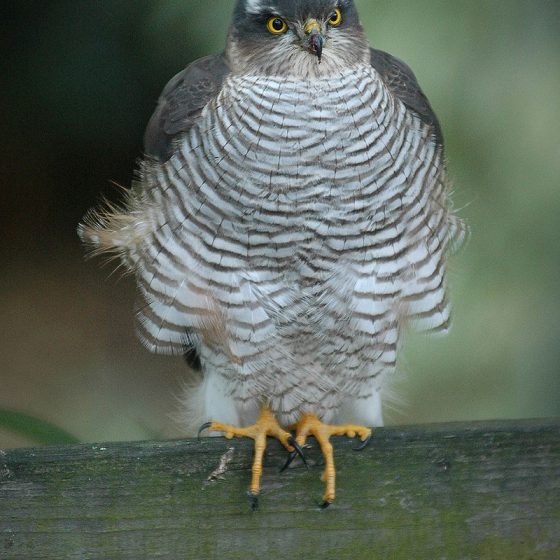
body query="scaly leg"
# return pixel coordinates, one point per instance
(310, 425)
(266, 425)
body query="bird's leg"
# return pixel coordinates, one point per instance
(266, 425)
(310, 425)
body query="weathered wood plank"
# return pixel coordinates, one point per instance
(487, 491)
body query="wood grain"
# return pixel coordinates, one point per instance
(458, 491)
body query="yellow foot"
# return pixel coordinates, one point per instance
(310, 425)
(266, 425)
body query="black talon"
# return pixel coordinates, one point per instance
(364, 444)
(202, 428)
(253, 501)
(292, 441)
(291, 457)
(325, 505)
(293, 454)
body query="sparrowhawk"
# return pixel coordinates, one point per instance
(290, 218)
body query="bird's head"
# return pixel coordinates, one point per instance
(305, 38)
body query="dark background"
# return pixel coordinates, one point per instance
(79, 79)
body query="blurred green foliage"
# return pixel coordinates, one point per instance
(80, 79)
(34, 429)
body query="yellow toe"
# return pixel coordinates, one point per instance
(310, 425)
(266, 425)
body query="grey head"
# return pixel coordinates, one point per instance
(303, 38)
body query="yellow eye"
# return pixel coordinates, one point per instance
(276, 25)
(336, 18)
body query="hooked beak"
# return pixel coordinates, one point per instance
(316, 40)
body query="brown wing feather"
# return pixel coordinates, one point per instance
(181, 102)
(400, 79)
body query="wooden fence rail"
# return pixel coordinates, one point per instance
(443, 492)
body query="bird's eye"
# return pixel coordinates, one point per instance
(336, 18)
(276, 25)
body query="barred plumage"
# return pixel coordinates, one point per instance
(300, 223)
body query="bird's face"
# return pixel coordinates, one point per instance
(305, 38)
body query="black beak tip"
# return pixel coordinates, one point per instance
(316, 42)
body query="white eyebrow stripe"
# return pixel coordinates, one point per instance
(257, 7)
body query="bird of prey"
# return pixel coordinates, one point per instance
(290, 218)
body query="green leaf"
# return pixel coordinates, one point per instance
(35, 429)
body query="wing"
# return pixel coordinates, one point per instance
(181, 102)
(400, 79)
(179, 105)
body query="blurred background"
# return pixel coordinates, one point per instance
(80, 79)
